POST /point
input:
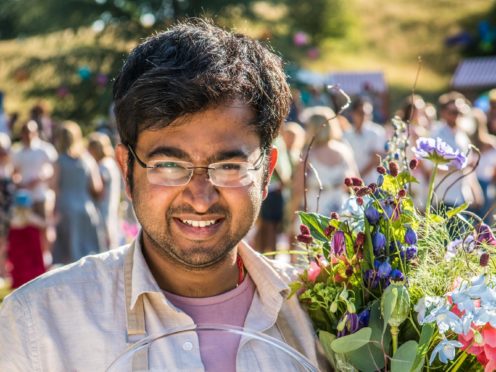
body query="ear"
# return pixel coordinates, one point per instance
(121, 155)
(272, 164)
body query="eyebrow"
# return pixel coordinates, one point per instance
(180, 154)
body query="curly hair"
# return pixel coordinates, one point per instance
(194, 66)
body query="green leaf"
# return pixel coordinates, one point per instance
(294, 287)
(388, 303)
(316, 223)
(352, 342)
(405, 178)
(404, 357)
(435, 218)
(370, 357)
(423, 348)
(455, 211)
(326, 339)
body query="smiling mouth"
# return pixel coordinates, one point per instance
(196, 223)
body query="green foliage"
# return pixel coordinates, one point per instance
(404, 357)
(352, 342)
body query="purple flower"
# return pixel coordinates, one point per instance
(409, 252)
(338, 243)
(364, 317)
(484, 234)
(383, 269)
(440, 153)
(373, 215)
(410, 236)
(378, 242)
(397, 276)
(371, 279)
(395, 246)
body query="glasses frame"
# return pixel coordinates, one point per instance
(255, 167)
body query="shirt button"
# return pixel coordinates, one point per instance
(187, 346)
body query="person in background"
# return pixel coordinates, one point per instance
(40, 115)
(77, 180)
(293, 135)
(33, 171)
(270, 221)
(491, 113)
(367, 139)
(7, 190)
(100, 147)
(24, 249)
(452, 192)
(486, 170)
(330, 160)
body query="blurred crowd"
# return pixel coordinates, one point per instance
(318, 148)
(61, 194)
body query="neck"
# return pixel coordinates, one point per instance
(176, 278)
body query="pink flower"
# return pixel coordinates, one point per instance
(313, 271)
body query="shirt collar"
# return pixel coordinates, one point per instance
(142, 280)
(271, 287)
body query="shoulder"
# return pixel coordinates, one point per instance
(287, 272)
(89, 271)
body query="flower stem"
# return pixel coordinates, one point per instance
(394, 335)
(431, 190)
(459, 362)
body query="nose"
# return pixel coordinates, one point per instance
(200, 193)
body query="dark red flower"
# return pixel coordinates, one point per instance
(362, 191)
(360, 239)
(348, 182)
(307, 239)
(304, 229)
(413, 164)
(402, 193)
(381, 169)
(484, 259)
(334, 216)
(359, 200)
(393, 168)
(373, 187)
(356, 181)
(329, 230)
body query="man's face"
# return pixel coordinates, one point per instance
(168, 214)
(451, 114)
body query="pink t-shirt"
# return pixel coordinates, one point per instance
(218, 349)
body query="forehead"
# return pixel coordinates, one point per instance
(204, 134)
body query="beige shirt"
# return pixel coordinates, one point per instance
(75, 318)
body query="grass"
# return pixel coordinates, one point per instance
(386, 35)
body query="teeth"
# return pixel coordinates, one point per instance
(198, 223)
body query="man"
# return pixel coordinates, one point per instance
(197, 109)
(366, 138)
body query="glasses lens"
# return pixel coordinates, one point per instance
(169, 173)
(230, 174)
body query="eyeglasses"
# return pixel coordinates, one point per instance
(167, 172)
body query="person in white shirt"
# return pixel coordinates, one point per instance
(453, 192)
(367, 139)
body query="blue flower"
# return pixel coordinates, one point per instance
(380, 180)
(440, 153)
(378, 242)
(410, 236)
(428, 305)
(364, 317)
(446, 350)
(373, 215)
(397, 276)
(408, 252)
(384, 270)
(446, 320)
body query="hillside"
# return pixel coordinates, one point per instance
(384, 35)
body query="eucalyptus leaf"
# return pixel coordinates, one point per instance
(326, 339)
(370, 357)
(352, 342)
(389, 303)
(316, 223)
(404, 357)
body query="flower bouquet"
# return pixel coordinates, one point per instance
(389, 287)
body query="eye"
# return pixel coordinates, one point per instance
(230, 166)
(168, 165)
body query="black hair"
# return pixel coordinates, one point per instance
(194, 66)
